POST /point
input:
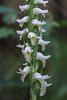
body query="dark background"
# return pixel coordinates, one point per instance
(11, 58)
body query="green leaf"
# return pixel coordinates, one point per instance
(4, 9)
(63, 24)
(5, 32)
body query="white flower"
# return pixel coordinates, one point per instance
(24, 64)
(43, 43)
(32, 36)
(22, 46)
(37, 11)
(22, 21)
(38, 23)
(42, 30)
(21, 33)
(41, 2)
(24, 72)
(42, 58)
(27, 53)
(24, 7)
(40, 78)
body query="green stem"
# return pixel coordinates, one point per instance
(32, 96)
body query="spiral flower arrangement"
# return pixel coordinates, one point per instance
(32, 38)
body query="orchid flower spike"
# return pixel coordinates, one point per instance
(38, 23)
(27, 53)
(33, 37)
(40, 78)
(24, 72)
(22, 21)
(42, 58)
(41, 2)
(43, 43)
(37, 11)
(24, 7)
(21, 33)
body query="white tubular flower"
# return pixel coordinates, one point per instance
(42, 58)
(42, 30)
(37, 11)
(24, 72)
(43, 43)
(24, 7)
(40, 78)
(27, 53)
(20, 46)
(22, 21)
(24, 64)
(33, 37)
(21, 33)
(41, 2)
(38, 23)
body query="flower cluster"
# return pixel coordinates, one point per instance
(32, 38)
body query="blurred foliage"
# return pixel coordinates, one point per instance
(4, 9)
(10, 18)
(5, 32)
(11, 87)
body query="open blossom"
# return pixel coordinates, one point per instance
(24, 72)
(33, 37)
(38, 23)
(22, 46)
(41, 2)
(24, 7)
(41, 79)
(43, 43)
(21, 33)
(43, 30)
(42, 58)
(37, 11)
(27, 53)
(22, 21)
